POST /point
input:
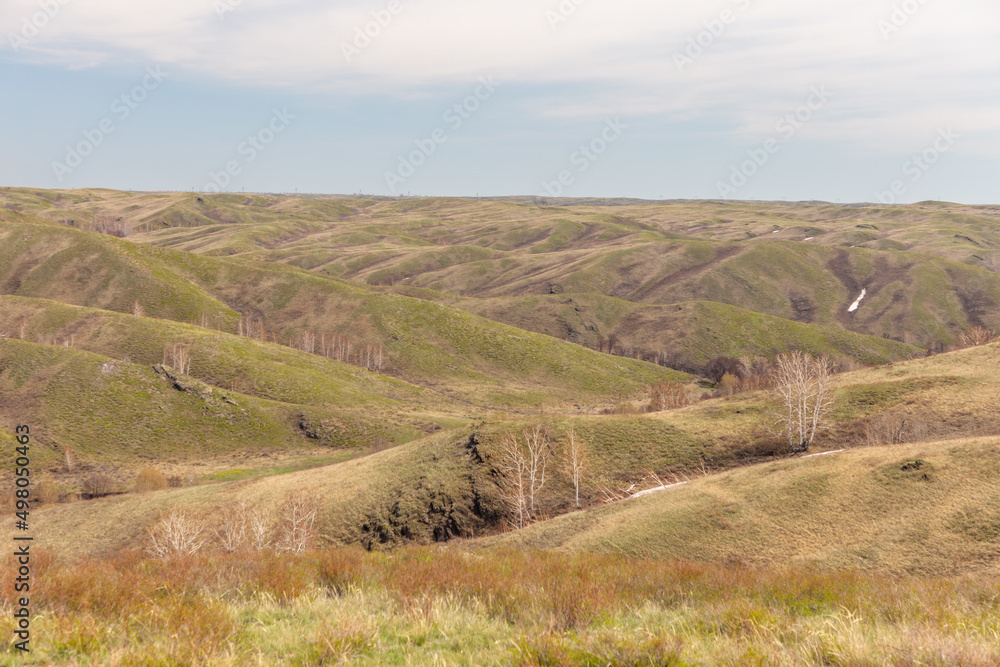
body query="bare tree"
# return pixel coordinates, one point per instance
(177, 357)
(69, 458)
(179, 532)
(668, 395)
(537, 441)
(885, 429)
(513, 468)
(308, 342)
(252, 327)
(803, 384)
(577, 461)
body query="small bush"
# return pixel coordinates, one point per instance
(46, 493)
(179, 532)
(150, 479)
(98, 485)
(728, 385)
(976, 336)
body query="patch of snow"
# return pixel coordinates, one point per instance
(659, 488)
(776, 231)
(854, 306)
(810, 238)
(824, 453)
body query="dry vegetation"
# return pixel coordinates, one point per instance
(419, 606)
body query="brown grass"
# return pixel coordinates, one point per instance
(547, 608)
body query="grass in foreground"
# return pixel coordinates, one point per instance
(445, 606)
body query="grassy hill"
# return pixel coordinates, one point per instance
(928, 269)
(481, 361)
(926, 509)
(120, 417)
(447, 485)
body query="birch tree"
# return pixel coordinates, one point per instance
(577, 461)
(513, 468)
(803, 384)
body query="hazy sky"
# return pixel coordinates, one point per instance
(855, 100)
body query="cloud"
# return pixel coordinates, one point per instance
(897, 70)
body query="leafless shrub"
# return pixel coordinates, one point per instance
(246, 526)
(150, 479)
(111, 226)
(259, 529)
(296, 522)
(179, 532)
(976, 336)
(138, 310)
(177, 357)
(803, 383)
(885, 429)
(668, 395)
(175, 481)
(98, 485)
(233, 532)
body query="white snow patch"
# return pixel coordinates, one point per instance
(854, 306)
(776, 231)
(809, 239)
(659, 488)
(824, 453)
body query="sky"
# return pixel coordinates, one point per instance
(890, 101)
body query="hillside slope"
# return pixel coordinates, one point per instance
(481, 361)
(923, 267)
(927, 509)
(448, 485)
